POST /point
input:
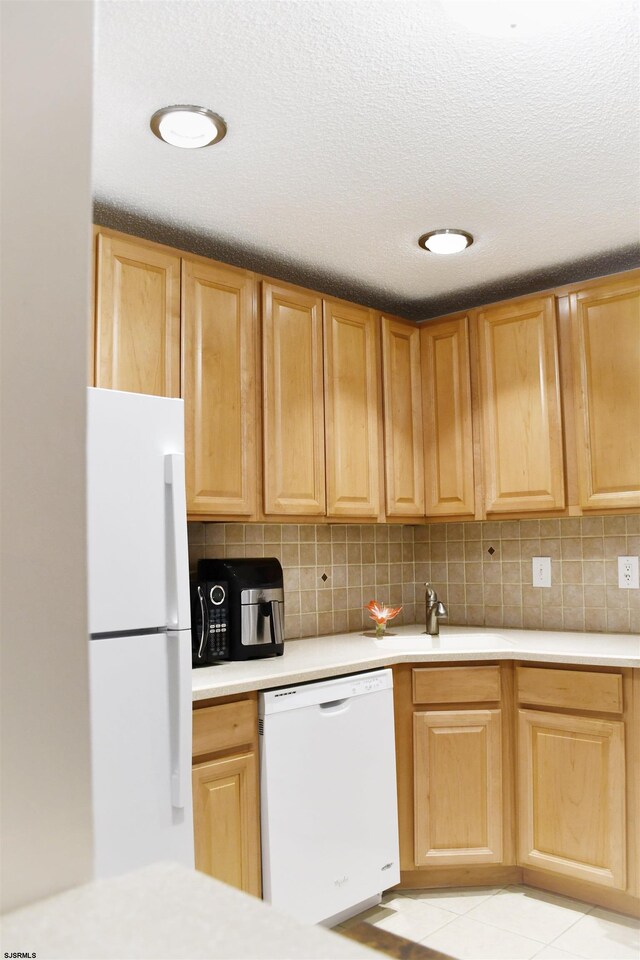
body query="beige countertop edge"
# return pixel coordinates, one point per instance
(166, 911)
(316, 658)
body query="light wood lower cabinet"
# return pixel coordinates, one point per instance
(575, 806)
(226, 804)
(552, 749)
(571, 796)
(458, 787)
(225, 820)
(453, 748)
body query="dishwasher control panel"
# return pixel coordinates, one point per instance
(368, 685)
(324, 691)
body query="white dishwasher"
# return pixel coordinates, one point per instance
(328, 796)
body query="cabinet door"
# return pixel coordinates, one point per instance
(219, 388)
(519, 378)
(446, 392)
(293, 403)
(352, 411)
(403, 443)
(137, 336)
(458, 787)
(606, 345)
(226, 821)
(571, 796)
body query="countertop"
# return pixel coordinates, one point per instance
(163, 912)
(317, 657)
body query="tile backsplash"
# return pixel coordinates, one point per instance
(482, 570)
(330, 570)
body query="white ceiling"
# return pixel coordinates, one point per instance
(354, 127)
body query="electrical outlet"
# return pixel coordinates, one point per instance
(541, 571)
(628, 573)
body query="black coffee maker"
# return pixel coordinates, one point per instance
(237, 610)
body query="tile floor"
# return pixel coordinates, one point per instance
(506, 923)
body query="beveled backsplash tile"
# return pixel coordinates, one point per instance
(532, 617)
(633, 524)
(550, 528)
(481, 570)
(592, 526)
(615, 526)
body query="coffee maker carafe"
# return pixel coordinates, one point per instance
(237, 610)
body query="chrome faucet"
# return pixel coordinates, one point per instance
(435, 610)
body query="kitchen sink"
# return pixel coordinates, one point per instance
(445, 642)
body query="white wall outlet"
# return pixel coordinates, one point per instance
(541, 571)
(628, 573)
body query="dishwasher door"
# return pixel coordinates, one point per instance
(328, 795)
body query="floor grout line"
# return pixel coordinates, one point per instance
(566, 951)
(543, 943)
(438, 929)
(569, 928)
(492, 926)
(446, 923)
(435, 901)
(589, 911)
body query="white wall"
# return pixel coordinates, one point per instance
(47, 53)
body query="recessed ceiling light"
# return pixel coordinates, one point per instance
(188, 126)
(445, 241)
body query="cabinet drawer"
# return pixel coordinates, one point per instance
(456, 684)
(224, 725)
(572, 689)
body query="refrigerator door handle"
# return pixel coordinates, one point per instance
(180, 716)
(178, 607)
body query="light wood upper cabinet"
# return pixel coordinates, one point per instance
(605, 321)
(137, 325)
(220, 378)
(293, 401)
(460, 419)
(571, 796)
(458, 787)
(403, 441)
(520, 397)
(352, 411)
(446, 398)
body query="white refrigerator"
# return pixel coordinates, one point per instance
(140, 638)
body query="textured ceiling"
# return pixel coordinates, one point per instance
(354, 127)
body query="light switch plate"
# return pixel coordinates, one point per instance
(628, 573)
(541, 571)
